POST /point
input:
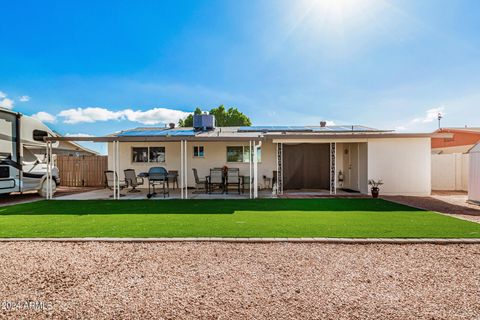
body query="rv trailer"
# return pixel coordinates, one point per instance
(20, 169)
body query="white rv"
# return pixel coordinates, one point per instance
(20, 169)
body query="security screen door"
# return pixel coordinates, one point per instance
(306, 166)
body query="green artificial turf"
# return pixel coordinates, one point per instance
(356, 218)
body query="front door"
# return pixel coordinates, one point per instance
(350, 165)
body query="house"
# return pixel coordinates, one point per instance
(321, 158)
(474, 174)
(462, 140)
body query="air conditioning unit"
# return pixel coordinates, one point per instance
(203, 122)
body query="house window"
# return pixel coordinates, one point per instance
(157, 154)
(241, 154)
(198, 151)
(139, 154)
(148, 154)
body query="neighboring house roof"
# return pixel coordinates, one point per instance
(461, 137)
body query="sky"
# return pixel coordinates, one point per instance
(97, 67)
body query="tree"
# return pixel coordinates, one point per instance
(188, 121)
(223, 118)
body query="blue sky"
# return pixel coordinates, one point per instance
(96, 67)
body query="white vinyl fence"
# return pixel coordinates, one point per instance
(450, 171)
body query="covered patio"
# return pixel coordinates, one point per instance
(185, 178)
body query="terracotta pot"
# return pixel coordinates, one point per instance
(375, 192)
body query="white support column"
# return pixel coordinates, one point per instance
(185, 156)
(47, 183)
(255, 169)
(181, 169)
(115, 169)
(50, 180)
(118, 169)
(250, 171)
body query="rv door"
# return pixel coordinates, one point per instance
(10, 168)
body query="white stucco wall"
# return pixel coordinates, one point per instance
(215, 156)
(404, 165)
(474, 177)
(450, 171)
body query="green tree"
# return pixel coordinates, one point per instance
(223, 117)
(188, 121)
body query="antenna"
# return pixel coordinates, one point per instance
(439, 117)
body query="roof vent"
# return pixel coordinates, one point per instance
(323, 124)
(203, 122)
(171, 125)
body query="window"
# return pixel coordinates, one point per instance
(157, 154)
(241, 154)
(38, 135)
(198, 151)
(140, 154)
(148, 154)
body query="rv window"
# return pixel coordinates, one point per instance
(38, 135)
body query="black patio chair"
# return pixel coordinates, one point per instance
(109, 181)
(132, 180)
(215, 179)
(233, 179)
(199, 184)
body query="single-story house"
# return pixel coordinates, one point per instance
(324, 158)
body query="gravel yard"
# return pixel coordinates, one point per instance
(239, 281)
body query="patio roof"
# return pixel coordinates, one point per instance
(251, 133)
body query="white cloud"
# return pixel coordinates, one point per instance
(2, 95)
(78, 135)
(6, 103)
(24, 98)
(154, 116)
(44, 117)
(89, 114)
(430, 115)
(148, 117)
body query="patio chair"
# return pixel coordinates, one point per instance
(199, 184)
(215, 179)
(173, 178)
(233, 178)
(157, 176)
(109, 178)
(132, 180)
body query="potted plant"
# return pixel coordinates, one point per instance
(375, 187)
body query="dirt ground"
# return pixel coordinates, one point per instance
(238, 281)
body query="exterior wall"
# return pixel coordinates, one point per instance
(474, 177)
(450, 172)
(215, 156)
(404, 165)
(363, 168)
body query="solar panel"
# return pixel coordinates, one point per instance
(157, 133)
(274, 129)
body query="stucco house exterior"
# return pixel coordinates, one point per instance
(322, 158)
